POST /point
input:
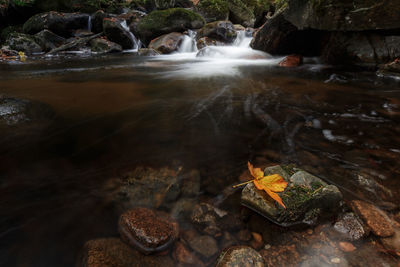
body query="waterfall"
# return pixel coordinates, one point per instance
(89, 26)
(243, 39)
(136, 43)
(188, 44)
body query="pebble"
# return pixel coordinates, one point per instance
(183, 255)
(346, 246)
(205, 245)
(335, 260)
(240, 256)
(147, 230)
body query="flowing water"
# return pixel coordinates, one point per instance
(210, 111)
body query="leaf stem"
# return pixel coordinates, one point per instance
(235, 186)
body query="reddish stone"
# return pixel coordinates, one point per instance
(375, 218)
(185, 256)
(346, 246)
(291, 61)
(147, 230)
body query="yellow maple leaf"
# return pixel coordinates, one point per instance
(270, 184)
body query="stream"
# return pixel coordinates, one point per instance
(211, 111)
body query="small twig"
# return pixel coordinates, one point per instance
(235, 186)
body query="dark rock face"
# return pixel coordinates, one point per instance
(167, 43)
(97, 20)
(223, 31)
(60, 23)
(23, 42)
(148, 231)
(240, 13)
(280, 37)
(100, 45)
(240, 256)
(342, 15)
(165, 21)
(308, 199)
(116, 32)
(112, 252)
(48, 40)
(361, 48)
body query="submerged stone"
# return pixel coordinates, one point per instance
(351, 226)
(240, 256)
(308, 199)
(147, 230)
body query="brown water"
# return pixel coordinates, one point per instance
(118, 112)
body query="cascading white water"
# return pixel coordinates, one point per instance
(136, 43)
(89, 26)
(188, 44)
(243, 39)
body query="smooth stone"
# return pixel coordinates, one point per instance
(291, 61)
(167, 43)
(375, 218)
(205, 245)
(351, 227)
(240, 256)
(147, 230)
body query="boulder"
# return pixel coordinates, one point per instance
(206, 41)
(102, 45)
(147, 230)
(97, 20)
(167, 43)
(280, 37)
(241, 13)
(161, 22)
(343, 15)
(240, 256)
(60, 23)
(23, 42)
(307, 198)
(147, 52)
(291, 61)
(223, 31)
(362, 48)
(49, 40)
(112, 252)
(213, 10)
(117, 31)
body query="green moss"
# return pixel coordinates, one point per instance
(8, 30)
(215, 9)
(290, 169)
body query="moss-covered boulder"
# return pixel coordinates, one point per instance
(48, 40)
(60, 23)
(307, 198)
(343, 15)
(241, 13)
(213, 10)
(167, 43)
(223, 31)
(102, 46)
(23, 42)
(160, 22)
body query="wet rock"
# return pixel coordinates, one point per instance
(167, 43)
(281, 256)
(346, 246)
(23, 42)
(97, 20)
(112, 252)
(334, 15)
(184, 256)
(213, 10)
(257, 242)
(241, 13)
(240, 256)
(116, 32)
(148, 52)
(291, 61)
(212, 221)
(228, 240)
(81, 33)
(205, 245)
(375, 218)
(161, 22)
(102, 45)
(392, 244)
(48, 40)
(370, 255)
(391, 69)
(223, 31)
(280, 37)
(360, 48)
(351, 227)
(244, 235)
(308, 199)
(183, 208)
(206, 41)
(148, 231)
(59, 23)
(148, 187)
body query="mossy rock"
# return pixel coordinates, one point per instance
(307, 198)
(223, 31)
(8, 30)
(240, 13)
(23, 42)
(160, 22)
(213, 10)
